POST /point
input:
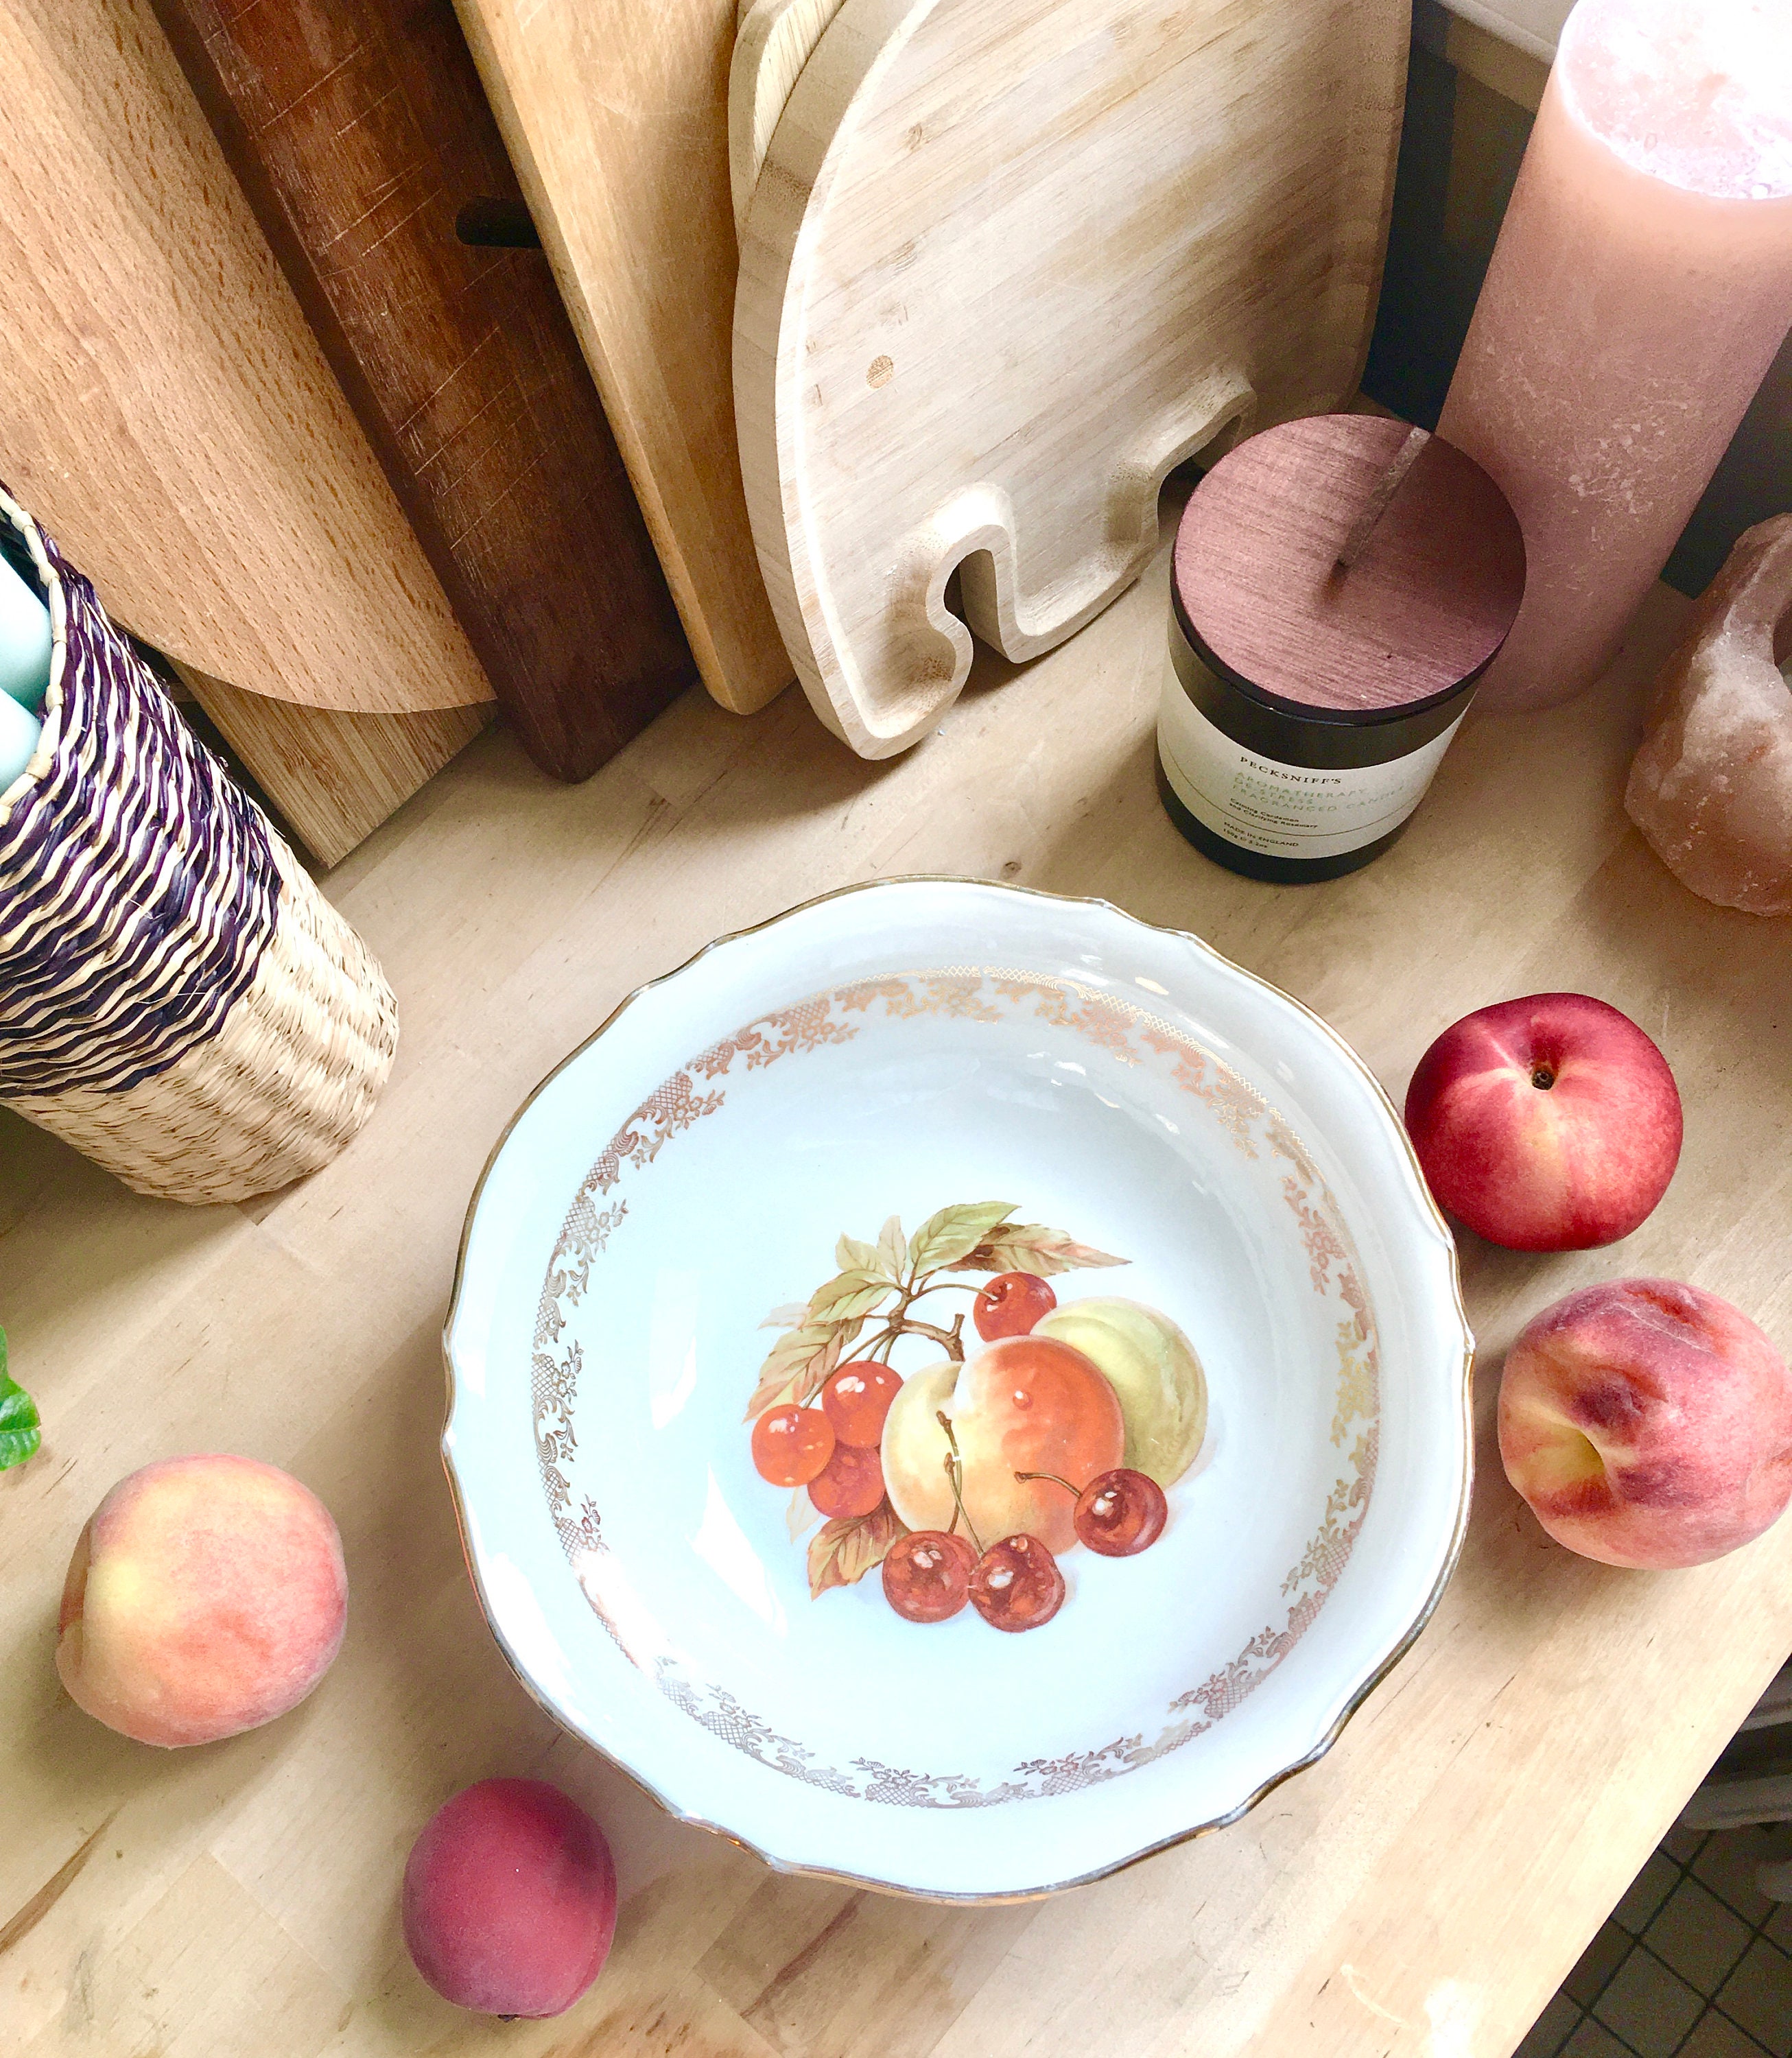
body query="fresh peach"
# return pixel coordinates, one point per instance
(1550, 1123)
(206, 1595)
(1647, 1423)
(510, 1899)
(1027, 1403)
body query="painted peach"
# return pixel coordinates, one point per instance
(1027, 1403)
(1647, 1423)
(1154, 1373)
(1549, 1123)
(206, 1595)
(510, 1899)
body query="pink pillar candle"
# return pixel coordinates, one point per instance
(1640, 288)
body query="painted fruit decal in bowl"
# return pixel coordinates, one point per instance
(966, 1479)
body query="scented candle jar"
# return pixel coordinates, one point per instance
(1339, 585)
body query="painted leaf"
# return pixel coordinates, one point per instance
(850, 1546)
(801, 1515)
(950, 1236)
(799, 1362)
(791, 1316)
(892, 1247)
(20, 1434)
(1032, 1247)
(850, 1255)
(847, 1294)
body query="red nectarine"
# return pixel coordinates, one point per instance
(1550, 1123)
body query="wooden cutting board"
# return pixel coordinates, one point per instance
(359, 130)
(166, 412)
(775, 40)
(615, 113)
(1008, 263)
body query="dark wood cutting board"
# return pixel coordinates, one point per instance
(360, 130)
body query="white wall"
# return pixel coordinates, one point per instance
(1532, 25)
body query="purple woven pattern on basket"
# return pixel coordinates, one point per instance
(137, 886)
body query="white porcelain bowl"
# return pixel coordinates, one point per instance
(894, 1050)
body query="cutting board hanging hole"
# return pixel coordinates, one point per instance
(497, 225)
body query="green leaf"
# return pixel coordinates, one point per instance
(850, 1546)
(798, 1364)
(951, 1236)
(1032, 1247)
(847, 1294)
(850, 1255)
(20, 1434)
(892, 1247)
(791, 1316)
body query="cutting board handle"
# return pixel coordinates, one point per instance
(974, 533)
(1025, 626)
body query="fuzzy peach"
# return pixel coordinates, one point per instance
(1647, 1423)
(1549, 1123)
(510, 1899)
(206, 1595)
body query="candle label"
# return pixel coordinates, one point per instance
(1258, 803)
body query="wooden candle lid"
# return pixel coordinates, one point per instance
(1433, 589)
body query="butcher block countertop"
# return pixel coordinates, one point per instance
(1422, 1890)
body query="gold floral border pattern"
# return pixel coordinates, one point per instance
(1118, 1026)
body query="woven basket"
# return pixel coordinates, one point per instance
(177, 998)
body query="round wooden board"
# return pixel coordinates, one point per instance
(775, 39)
(1006, 264)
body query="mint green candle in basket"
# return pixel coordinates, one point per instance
(25, 641)
(20, 733)
(24, 650)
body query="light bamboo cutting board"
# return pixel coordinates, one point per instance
(1007, 263)
(775, 40)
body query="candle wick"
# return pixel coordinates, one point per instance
(1386, 487)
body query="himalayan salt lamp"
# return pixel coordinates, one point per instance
(1640, 288)
(1711, 787)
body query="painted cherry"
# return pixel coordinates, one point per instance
(1119, 1513)
(1017, 1584)
(856, 1399)
(1010, 1303)
(791, 1446)
(927, 1575)
(851, 1483)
